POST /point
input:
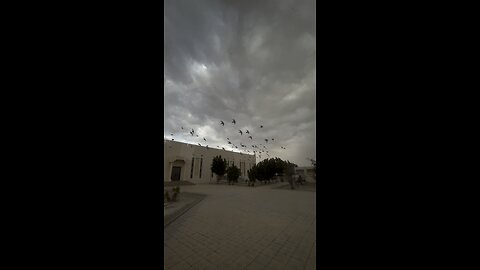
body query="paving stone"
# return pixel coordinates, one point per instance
(255, 266)
(180, 266)
(274, 265)
(281, 259)
(262, 234)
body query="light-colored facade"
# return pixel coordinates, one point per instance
(188, 162)
(307, 173)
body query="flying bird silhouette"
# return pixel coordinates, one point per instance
(204, 139)
(266, 141)
(222, 123)
(199, 144)
(247, 132)
(182, 127)
(197, 135)
(250, 137)
(261, 126)
(233, 121)
(223, 148)
(241, 133)
(273, 139)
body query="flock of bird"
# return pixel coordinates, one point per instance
(245, 144)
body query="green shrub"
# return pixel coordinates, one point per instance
(176, 191)
(166, 196)
(218, 167)
(233, 173)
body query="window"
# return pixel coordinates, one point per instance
(197, 167)
(191, 170)
(201, 165)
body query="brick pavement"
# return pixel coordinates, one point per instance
(238, 227)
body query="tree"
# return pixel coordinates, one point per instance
(289, 169)
(268, 168)
(233, 173)
(252, 175)
(314, 164)
(218, 167)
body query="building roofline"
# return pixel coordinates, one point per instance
(170, 141)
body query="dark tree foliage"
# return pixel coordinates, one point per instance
(252, 175)
(314, 164)
(219, 166)
(289, 168)
(268, 168)
(233, 173)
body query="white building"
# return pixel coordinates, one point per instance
(188, 162)
(307, 173)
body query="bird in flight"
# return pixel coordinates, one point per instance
(173, 139)
(223, 148)
(199, 144)
(273, 139)
(266, 141)
(248, 132)
(261, 126)
(233, 121)
(193, 131)
(229, 142)
(204, 139)
(239, 131)
(171, 134)
(222, 123)
(250, 137)
(182, 127)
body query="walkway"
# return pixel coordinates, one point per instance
(238, 227)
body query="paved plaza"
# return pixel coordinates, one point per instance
(239, 227)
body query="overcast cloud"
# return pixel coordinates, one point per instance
(253, 61)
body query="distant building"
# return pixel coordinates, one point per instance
(188, 162)
(307, 173)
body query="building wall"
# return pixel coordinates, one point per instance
(181, 155)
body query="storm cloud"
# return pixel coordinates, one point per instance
(252, 61)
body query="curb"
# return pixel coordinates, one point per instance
(171, 218)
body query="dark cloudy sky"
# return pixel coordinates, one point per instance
(253, 61)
